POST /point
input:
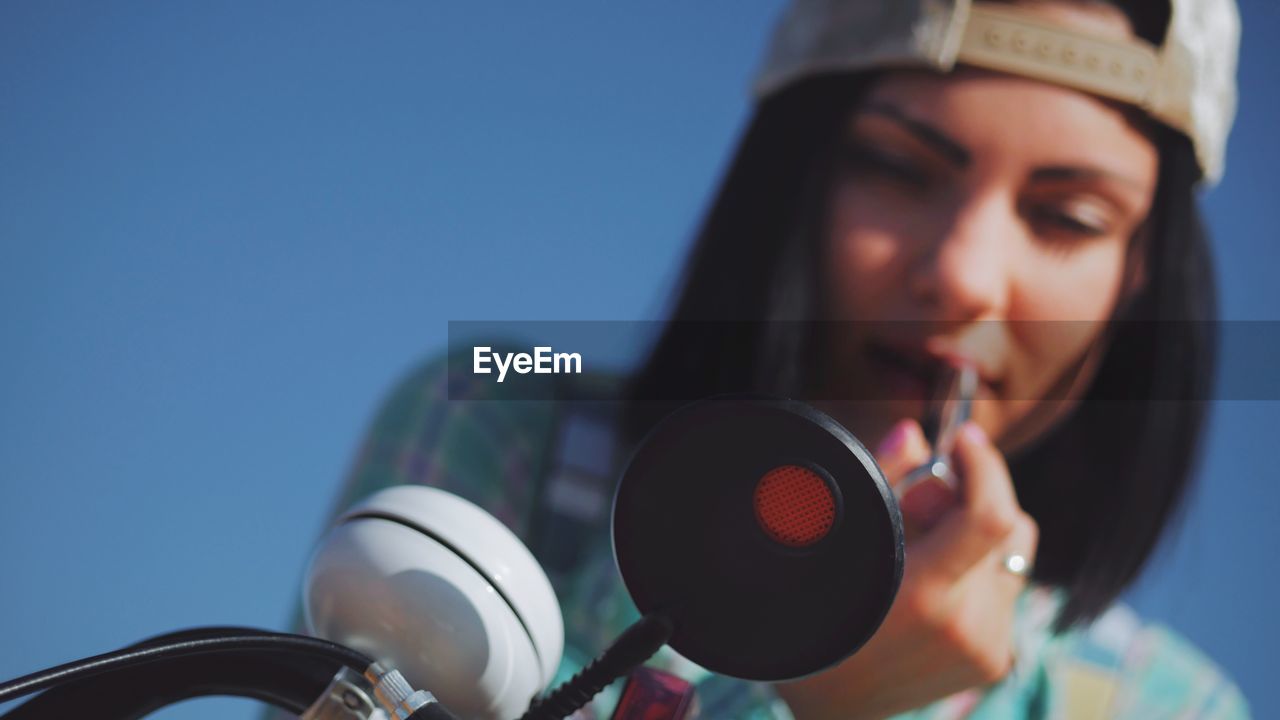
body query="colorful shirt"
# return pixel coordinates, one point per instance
(547, 470)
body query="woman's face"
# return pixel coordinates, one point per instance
(969, 216)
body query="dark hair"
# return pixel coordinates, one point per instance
(1103, 484)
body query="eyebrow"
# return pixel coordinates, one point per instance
(944, 145)
(1066, 172)
(958, 155)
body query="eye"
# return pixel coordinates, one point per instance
(1068, 221)
(862, 160)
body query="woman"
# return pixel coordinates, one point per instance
(1029, 211)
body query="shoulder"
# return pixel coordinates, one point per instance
(1120, 666)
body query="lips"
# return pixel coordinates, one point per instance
(914, 371)
(926, 369)
(905, 376)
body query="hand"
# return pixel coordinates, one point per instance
(951, 626)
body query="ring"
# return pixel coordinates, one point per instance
(1017, 565)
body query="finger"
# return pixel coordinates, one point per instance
(987, 511)
(926, 502)
(1021, 542)
(902, 449)
(905, 450)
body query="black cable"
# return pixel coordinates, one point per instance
(283, 680)
(158, 650)
(199, 633)
(635, 645)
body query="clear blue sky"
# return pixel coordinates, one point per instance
(227, 228)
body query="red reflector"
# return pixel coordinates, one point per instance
(794, 505)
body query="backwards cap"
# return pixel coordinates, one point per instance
(1188, 82)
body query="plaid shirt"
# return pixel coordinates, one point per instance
(547, 470)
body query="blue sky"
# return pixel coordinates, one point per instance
(227, 228)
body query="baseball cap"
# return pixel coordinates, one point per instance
(1187, 82)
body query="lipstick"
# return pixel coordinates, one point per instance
(949, 409)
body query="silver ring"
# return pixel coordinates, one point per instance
(1017, 564)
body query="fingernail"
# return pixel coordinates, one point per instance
(896, 438)
(975, 432)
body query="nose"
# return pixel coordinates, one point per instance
(961, 270)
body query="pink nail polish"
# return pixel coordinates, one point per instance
(896, 438)
(975, 432)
